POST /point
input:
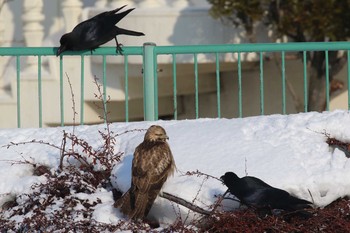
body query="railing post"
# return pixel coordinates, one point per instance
(149, 83)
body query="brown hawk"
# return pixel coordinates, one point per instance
(152, 164)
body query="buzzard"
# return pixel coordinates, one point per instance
(152, 164)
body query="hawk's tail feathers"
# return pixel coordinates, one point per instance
(133, 204)
(140, 205)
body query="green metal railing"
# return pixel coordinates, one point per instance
(19, 52)
(150, 53)
(260, 49)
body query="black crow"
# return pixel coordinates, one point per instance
(96, 31)
(254, 192)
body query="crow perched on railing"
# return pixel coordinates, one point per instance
(90, 34)
(254, 192)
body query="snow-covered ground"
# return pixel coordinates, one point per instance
(287, 151)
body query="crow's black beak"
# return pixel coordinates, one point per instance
(60, 50)
(222, 178)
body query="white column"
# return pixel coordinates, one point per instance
(152, 3)
(119, 3)
(101, 3)
(33, 30)
(71, 10)
(180, 3)
(2, 38)
(2, 25)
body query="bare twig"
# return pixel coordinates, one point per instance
(100, 96)
(63, 146)
(25, 161)
(129, 131)
(198, 173)
(11, 144)
(73, 102)
(184, 203)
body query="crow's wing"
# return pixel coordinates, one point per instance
(106, 14)
(92, 33)
(253, 182)
(98, 29)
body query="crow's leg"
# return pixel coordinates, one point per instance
(119, 46)
(92, 50)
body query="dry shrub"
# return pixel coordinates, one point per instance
(333, 218)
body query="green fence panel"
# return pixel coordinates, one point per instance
(150, 53)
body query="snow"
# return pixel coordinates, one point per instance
(286, 151)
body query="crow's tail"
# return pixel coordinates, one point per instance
(122, 31)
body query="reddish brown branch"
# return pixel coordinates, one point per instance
(184, 203)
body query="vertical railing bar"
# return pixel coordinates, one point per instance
(196, 84)
(174, 86)
(40, 93)
(149, 77)
(61, 92)
(240, 110)
(283, 82)
(327, 80)
(217, 69)
(155, 57)
(261, 84)
(18, 73)
(348, 57)
(126, 87)
(305, 82)
(82, 68)
(104, 83)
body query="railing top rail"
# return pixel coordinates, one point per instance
(51, 51)
(184, 49)
(257, 47)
